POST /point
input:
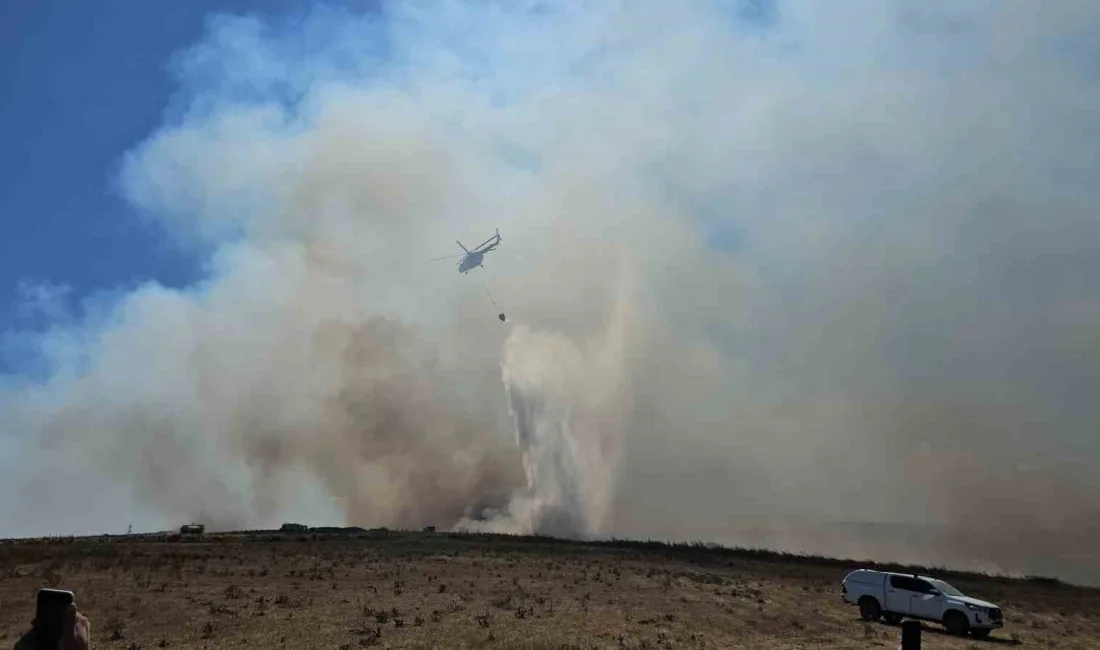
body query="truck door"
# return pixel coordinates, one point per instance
(899, 592)
(926, 602)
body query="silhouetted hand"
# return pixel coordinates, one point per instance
(76, 634)
(76, 631)
(28, 641)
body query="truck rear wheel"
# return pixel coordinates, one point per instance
(869, 609)
(956, 623)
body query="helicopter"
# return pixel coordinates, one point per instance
(471, 259)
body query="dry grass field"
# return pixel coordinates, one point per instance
(423, 590)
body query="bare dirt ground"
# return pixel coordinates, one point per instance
(423, 590)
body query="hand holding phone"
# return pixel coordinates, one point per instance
(57, 624)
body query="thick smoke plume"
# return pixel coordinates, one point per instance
(569, 403)
(818, 276)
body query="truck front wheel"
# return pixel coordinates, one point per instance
(956, 623)
(869, 609)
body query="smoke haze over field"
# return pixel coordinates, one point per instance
(765, 265)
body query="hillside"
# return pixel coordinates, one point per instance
(352, 588)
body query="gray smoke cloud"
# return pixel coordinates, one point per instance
(773, 271)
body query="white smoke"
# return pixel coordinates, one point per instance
(860, 240)
(569, 402)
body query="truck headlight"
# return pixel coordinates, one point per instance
(975, 608)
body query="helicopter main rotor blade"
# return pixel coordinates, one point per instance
(449, 257)
(495, 239)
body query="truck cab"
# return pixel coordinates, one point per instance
(894, 596)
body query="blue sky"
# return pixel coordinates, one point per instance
(82, 83)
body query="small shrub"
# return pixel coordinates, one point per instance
(115, 626)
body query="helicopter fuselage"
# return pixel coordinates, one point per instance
(471, 261)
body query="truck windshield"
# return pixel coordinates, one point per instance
(945, 588)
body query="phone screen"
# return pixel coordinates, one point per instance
(50, 614)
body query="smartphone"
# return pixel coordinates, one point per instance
(50, 615)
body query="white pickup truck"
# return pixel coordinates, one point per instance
(894, 596)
